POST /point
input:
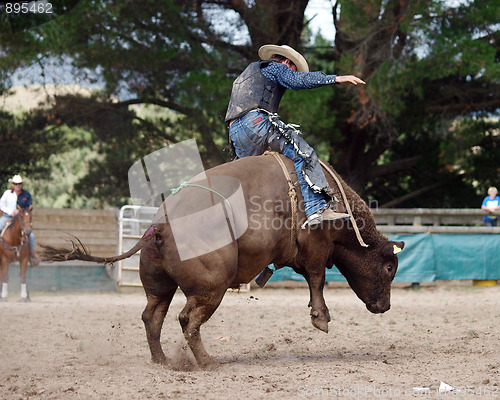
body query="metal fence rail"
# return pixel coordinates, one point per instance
(132, 223)
(431, 220)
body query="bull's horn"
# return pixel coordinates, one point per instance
(397, 249)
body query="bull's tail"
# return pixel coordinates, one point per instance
(80, 252)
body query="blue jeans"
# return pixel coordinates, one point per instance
(250, 135)
(4, 218)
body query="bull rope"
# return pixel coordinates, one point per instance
(186, 184)
(344, 198)
(292, 193)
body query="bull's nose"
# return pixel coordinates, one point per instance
(378, 307)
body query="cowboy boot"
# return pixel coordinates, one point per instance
(326, 214)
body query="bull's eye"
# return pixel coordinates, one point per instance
(389, 268)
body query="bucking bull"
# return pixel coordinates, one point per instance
(264, 229)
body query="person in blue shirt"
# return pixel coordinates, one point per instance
(11, 198)
(255, 126)
(491, 203)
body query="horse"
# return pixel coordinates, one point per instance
(202, 243)
(14, 245)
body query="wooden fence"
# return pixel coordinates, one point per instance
(97, 229)
(431, 220)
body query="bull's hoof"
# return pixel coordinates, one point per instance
(319, 321)
(160, 359)
(210, 366)
(321, 324)
(24, 299)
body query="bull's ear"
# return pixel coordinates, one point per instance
(397, 247)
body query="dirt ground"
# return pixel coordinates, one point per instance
(93, 346)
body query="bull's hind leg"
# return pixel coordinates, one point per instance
(160, 289)
(153, 317)
(198, 309)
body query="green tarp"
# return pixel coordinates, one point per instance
(425, 258)
(57, 278)
(429, 257)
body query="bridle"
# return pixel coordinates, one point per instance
(25, 232)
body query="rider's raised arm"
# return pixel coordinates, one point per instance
(285, 76)
(349, 79)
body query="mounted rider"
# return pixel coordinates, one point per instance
(10, 200)
(255, 126)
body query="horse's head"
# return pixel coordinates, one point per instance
(24, 217)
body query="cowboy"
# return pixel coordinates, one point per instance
(255, 126)
(11, 198)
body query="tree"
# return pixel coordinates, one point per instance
(431, 70)
(26, 140)
(427, 65)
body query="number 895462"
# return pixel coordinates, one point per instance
(34, 7)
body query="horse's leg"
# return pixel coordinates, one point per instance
(23, 264)
(4, 277)
(198, 309)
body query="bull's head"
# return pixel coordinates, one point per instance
(370, 271)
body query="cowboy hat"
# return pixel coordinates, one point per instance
(16, 179)
(266, 51)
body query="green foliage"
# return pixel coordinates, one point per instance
(26, 139)
(57, 188)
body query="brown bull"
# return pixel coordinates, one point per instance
(267, 239)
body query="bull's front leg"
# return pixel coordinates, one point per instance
(320, 315)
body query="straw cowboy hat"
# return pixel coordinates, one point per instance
(16, 179)
(266, 51)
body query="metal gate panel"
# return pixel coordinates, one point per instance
(133, 221)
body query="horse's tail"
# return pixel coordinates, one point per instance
(80, 252)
